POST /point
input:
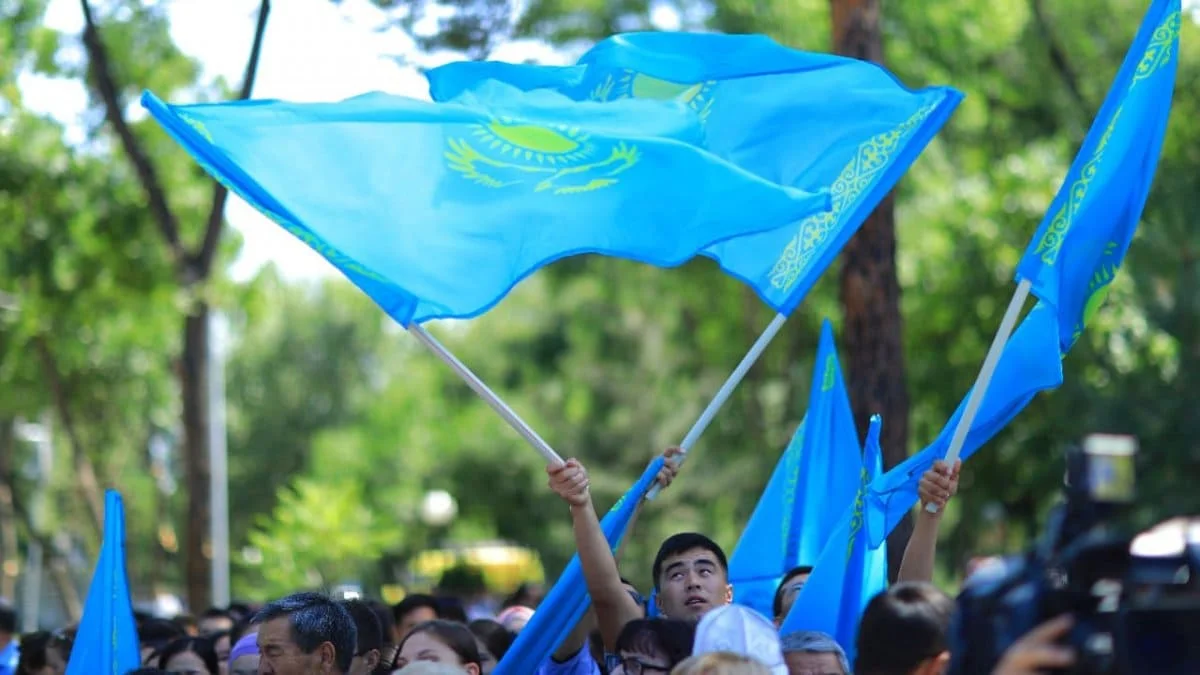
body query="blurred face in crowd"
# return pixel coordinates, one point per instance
(222, 647)
(811, 663)
(791, 591)
(186, 663)
(280, 655)
(425, 646)
(487, 660)
(246, 664)
(215, 624)
(692, 583)
(413, 619)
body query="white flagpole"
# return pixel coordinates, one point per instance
(1007, 324)
(514, 420)
(726, 390)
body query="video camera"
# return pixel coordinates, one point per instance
(1135, 600)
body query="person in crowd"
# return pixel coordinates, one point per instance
(305, 633)
(526, 595)
(740, 630)
(813, 653)
(514, 618)
(9, 647)
(495, 637)
(222, 643)
(190, 655)
(413, 610)
(387, 626)
(44, 653)
(720, 663)
(154, 634)
(904, 632)
(690, 571)
(243, 658)
(451, 608)
(214, 620)
(651, 647)
(369, 638)
(187, 623)
(787, 592)
(441, 641)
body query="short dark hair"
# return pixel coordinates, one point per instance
(454, 635)
(386, 621)
(33, 652)
(494, 636)
(901, 627)
(414, 602)
(451, 608)
(366, 625)
(215, 613)
(647, 636)
(8, 619)
(157, 633)
(686, 541)
(202, 647)
(777, 605)
(315, 619)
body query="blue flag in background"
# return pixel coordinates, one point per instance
(107, 640)
(567, 602)
(815, 480)
(796, 118)
(849, 572)
(1076, 252)
(438, 210)
(1072, 258)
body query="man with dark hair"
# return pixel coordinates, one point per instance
(788, 590)
(305, 633)
(903, 632)
(691, 576)
(369, 645)
(9, 649)
(413, 610)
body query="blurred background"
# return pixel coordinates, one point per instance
(257, 411)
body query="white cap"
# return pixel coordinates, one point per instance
(740, 630)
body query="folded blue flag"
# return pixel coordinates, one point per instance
(1078, 249)
(814, 482)
(438, 210)
(107, 640)
(849, 572)
(796, 118)
(567, 602)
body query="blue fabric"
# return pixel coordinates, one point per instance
(1078, 249)
(9, 657)
(438, 210)
(107, 640)
(581, 663)
(567, 602)
(814, 482)
(796, 118)
(849, 572)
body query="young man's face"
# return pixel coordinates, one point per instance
(691, 583)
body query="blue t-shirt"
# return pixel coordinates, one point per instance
(581, 663)
(9, 657)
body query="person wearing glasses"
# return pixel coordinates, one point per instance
(651, 647)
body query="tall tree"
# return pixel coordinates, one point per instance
(193, 265)
(872, 329)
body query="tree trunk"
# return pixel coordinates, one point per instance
(193, 382)
(10, 557)
(870, 290)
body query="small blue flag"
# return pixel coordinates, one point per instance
(107, 640)
(1078, 249)
(567, 602)
(849, 572)
(814, 482)
(438, 210)
(796, 118)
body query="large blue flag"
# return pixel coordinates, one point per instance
(797, 118)
(567, 602)
(1076, 252)
(438, 210)
(107, 640)
(1074, 256)
(849, 572)
(814, 482)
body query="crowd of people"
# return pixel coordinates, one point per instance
(695, 628)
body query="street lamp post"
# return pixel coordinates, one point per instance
(39, 434)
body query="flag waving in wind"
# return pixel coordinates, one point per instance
(1074, 255)
(801, 119)
(107, 640)
(438, 210)
(814, 482)
(849, 572)
(566, 603)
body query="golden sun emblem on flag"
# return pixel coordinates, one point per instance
(559, 158)
(632, 84)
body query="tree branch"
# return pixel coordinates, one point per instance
(59, 571)
(216, 214)
(84, 470)
(1058, 55)
(114, 112)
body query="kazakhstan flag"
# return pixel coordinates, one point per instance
(438, 210)
(806, 120)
